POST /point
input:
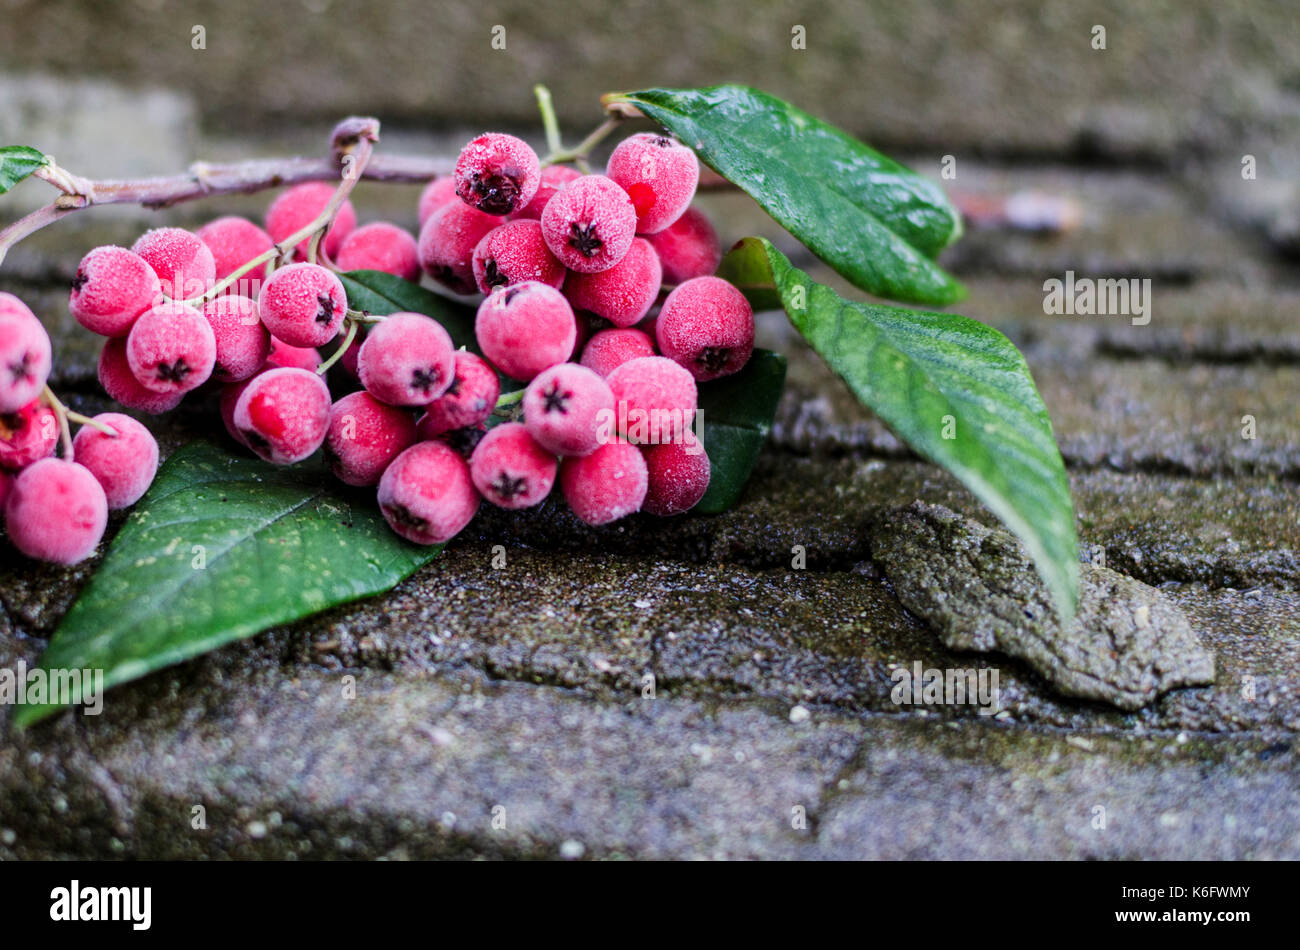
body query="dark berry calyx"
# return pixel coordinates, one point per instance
(584, 239)
(174, 372)
(324, 308)
(495, 194)
(454, 388)
(663, 141)
(557, 400)
(401, 515)
(512, 293)
(507, 488)
(11, 423)
(21, 370)
(492, 275)
(79, 281)
(714, 358)
(424, 378)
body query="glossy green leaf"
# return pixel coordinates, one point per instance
(17, 162)
(381, 294)
(738, 412)
(877, 223)
(956, 390)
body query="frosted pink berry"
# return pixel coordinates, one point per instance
(678, 477)
(365, 436)
(655, 400)
(447, 242)
(435, 194)
(497, 173)
(112, 287)
(514, 253)
(426, 494)
(124, 464)
(510, 469)
(659, 174)
(301, 357)
(554, 177)
(688, 247)
(609, 349)
(184, 264)
(383, 247)
(589, 224)
(27, 434)
(407, 360)
(283, 415)
(525, 328)
(121, 385)
(171, 348)
(226, 403)
(24, 354)
(234, 241)
(303, 304)
(606, 485)
(56, 511)
(624, 294)
(707, 326)
(565, 408)
(243, 343)
(469, 400)
(298, 207)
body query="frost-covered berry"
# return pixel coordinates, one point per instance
(303, 304)
(447, 242)
(554, 177)
(383, 247)
(243, 343)
(510, 469)
(606, 485)
(609, 349)
(436, 194)
(112, 287)
(407, 360)
(589, 224)
(27, 434)
(171, 348)
(234, 241)
(707, 326)
(497, 173)
(514, 253)
(655, 400)
(678, 477)
(624, 293)
(688, 247)
(565, 408)
(24, 354)
(56, 511)
(426, 494)
(659, 174)
(121, 385)
(124, 464)
(184, 264)
(469, 400)
(298, 207)
(284, 414)
(226, 403)
(365, 436)
(301, 357)
(526, 328)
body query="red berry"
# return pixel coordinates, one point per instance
(609, 349)
(426, 494)
(687, 248)
(469, 399)
(510, 469)
(589, 224)
(364, 437)
(655, 400)
(229, 398)
(24, 354)
(243, 343)
(513, 253)
(447, 242)
(56, 511)
(707, 326)
(407, 360)
(554, 177)
(383, 247)
(303, 304)
(298, 207)
(497, 173)
(113, 286)
(184, 264)
(566, 407)
(124, 464)
(121, 385)
(606, 485)
(436, 194)
(526, 328)
(234, 241)
(284, 414)
(171, 348)
(624, 293)
(302, 357)
(659, 174)
(678, 477)
(27, 434)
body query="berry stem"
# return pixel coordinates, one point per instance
(549, 122)
(365, 317)
(507, 400)
(343, 348)
(580, 151)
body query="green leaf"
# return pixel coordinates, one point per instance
(381, 294)
(18, 162)
(877, 223)
(738, 412)
(220, 549)
(956, 390)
